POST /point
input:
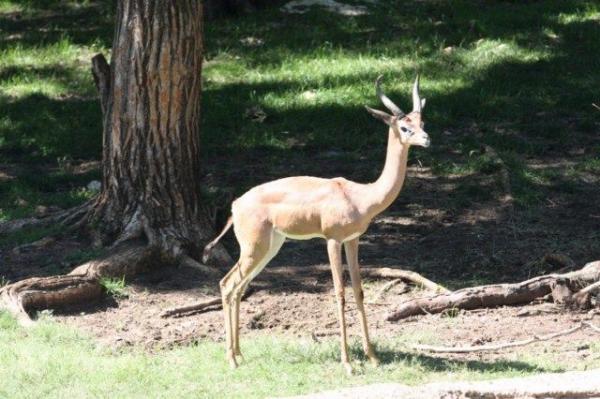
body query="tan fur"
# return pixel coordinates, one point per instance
(304, 207)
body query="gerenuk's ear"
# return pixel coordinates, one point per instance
(383, 116)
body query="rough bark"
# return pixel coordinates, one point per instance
(151, 169)
(562, 287)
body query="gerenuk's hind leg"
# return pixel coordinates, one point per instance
(227, 285)
(253, 258)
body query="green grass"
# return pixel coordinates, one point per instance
(53, 361)
(114, 287)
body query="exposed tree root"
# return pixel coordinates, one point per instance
(80, 286)
(505, 345)
(564, 288)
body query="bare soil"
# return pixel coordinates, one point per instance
(451, 240)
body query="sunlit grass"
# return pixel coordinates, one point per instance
(8, 6)
(53, 361)
(52, 70)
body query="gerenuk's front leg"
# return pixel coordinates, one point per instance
(351, 248)
(334, 249)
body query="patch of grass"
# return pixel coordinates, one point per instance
(53, 361)
(115, 287)
(591, 164)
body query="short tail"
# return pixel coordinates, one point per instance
(208, 248)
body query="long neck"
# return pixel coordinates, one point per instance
(387, 187)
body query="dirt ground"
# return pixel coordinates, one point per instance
(426, 230)
(299, 301)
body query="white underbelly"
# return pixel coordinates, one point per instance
(300, 236)
(310, 236)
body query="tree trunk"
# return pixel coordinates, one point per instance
(151, 169)
(150, 198)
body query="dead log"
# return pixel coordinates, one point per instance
(562, 287)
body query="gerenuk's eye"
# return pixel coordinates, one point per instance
(404, 130)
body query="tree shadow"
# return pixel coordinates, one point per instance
(37, 127)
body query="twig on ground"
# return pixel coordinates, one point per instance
(531, 312)
(495, 347)
(590, 325)
(188, 309)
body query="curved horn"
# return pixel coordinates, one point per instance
(417, 105)
(385, 100)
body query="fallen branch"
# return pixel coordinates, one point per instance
(405, 275)
(590, 325)
(188, 309)
(561, 286)
(495, 347)
(210, 304)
